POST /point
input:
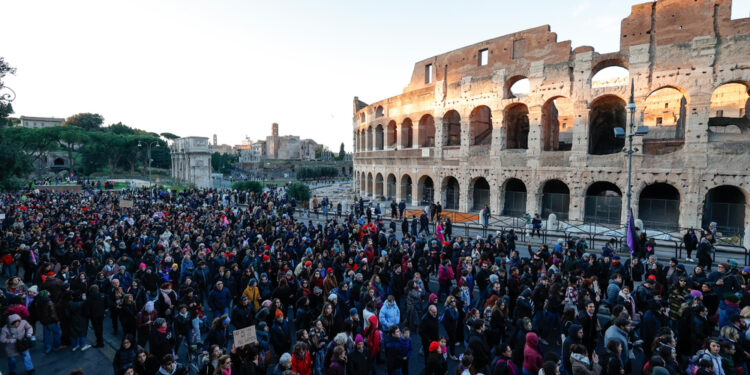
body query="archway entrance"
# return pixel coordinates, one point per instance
(406, 188)
(659, 207)
(555, 199)
(426, 190)
(603, 203)
(451, 193)
(480, 194)
(514, 202)
(390, 190)
(725, 206)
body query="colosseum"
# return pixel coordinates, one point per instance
(465, 132)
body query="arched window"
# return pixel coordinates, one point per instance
(606, 114)
(452, 128)
(481, 126)
(557, 124)
(516, 126)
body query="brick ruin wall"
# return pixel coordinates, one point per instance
(689, 63)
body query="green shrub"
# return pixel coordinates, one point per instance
(251, 186)
(298, 191)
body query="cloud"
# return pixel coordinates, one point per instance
(580, 8)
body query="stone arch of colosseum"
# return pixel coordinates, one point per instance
(564, 125)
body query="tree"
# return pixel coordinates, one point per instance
(34, 143)
(120, 128)
(6, 94)
(69, 139)
(222, 163)
(88, 121)
(251, 186)
(15, 164)
(298, 191)
(342, 153)
(170, 136)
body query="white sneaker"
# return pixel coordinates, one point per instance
(75, 348)
(85, 347)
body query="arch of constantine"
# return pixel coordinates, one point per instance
(462, 132)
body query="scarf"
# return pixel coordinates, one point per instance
(226, 371)
(162, 330)
(46, 275)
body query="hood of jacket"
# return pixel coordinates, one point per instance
(13, 318)
(532, 340)
(576, 357)
(573, 329)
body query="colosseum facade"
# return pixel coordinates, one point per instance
(462, 133)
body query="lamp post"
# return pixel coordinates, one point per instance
(148, 155)
(633, 131)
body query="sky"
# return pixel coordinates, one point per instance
(233, 67)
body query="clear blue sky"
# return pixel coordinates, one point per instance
(234, 67)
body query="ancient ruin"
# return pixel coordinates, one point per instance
(464, 134)
(191, 161)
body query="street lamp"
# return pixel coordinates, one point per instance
(148, 155)
(634, 131)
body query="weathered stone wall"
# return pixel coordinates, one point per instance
(692, 47)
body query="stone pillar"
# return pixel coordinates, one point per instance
(396, 191)
(399, 137)
(533, 139)
(466, 140)
(580, 146)
(576, 206)
(533, 200)
(439, 139)
(415, 135)
(463, 188)
(497, 134)
(495, 200)
(414, 193)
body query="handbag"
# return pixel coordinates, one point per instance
(24, 344)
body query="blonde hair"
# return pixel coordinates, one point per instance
(449, 299)
(745, 313)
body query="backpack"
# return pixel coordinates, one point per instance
(500, 367)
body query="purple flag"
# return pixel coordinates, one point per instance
(631, 231)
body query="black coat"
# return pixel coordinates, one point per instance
(430, 330)
(480, 349)
(159, 344)
(95, 305)
(79, 322)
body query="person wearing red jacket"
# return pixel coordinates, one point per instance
(301, 360)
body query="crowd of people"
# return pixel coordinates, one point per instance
(173, 275)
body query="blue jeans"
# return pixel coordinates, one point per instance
(78, 341)
(27, 364)
(52, 335)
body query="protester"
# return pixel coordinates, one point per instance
(354, 290)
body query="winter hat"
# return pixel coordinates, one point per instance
(434, 346)
(142, 265)
(652, 277)
(226, 320)
(358, 339)
(332, 297)
(696, 293)
(34, 289)
(308, 264)
(279, 313)
(285, 358)
(493, 278)
(433, 298)
(266, 303)
(353, 311)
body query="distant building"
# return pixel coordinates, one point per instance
(191, 161)
(40, 122)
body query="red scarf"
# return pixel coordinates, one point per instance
(46, 275)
